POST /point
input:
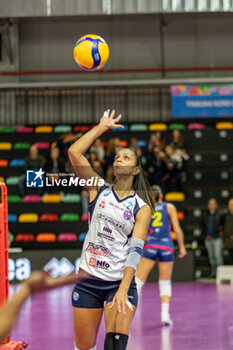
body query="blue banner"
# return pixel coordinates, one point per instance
(202, 101)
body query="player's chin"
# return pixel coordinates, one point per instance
(117, 170)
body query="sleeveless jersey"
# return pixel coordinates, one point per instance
(111, 224)
(159, 234)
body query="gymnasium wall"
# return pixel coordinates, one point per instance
(135, 42)
(44, 44)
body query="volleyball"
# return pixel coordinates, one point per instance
(91, 52)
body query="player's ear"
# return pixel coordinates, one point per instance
(136, 170)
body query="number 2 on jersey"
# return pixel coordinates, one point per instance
(157, 216)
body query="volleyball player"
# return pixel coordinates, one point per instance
(118, 224)
(159, 245)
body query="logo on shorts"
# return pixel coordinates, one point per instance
(127, 215)
(166, 253)
(98, 264)
(75, 296)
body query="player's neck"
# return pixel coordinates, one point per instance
(123, 188)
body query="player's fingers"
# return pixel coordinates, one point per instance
(118, 118)
(119, 126)
(112, 114)
(123, 307)
(119, 306)
(113, 303)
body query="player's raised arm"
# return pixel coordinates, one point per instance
(177, 229)
(76, 152)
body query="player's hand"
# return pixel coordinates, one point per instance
(108, 122)
(39, 281)
(182, 252)
(122, 302)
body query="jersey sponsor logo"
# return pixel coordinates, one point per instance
(127, 215)
(107, 229)
(93, 262)
(102, 205)
(111, 220)
(107, 233)
(116, 206)
(98, 249)
(107, 193)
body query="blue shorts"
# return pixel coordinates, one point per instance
(93, 292)
(163, 255)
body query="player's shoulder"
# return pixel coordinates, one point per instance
(171, 207)
(140, 205)
(139, 202)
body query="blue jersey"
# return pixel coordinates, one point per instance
(159, 234)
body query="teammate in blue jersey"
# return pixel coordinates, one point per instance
(119, 218)
(159, 245)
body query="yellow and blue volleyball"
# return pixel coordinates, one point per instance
(91, 52)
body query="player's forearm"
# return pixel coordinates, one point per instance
(9, 311)
(180, 238)
(127, 278)
(82, 144)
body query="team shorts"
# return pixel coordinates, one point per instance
(94, 292)
(153, 253)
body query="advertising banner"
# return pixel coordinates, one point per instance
(65, 262)
(202, 101)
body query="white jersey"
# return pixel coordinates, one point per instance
(111, 225)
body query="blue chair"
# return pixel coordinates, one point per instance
(119, 129)
(82, 236)
(141, 143)
(17, 162)
(12, 218)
